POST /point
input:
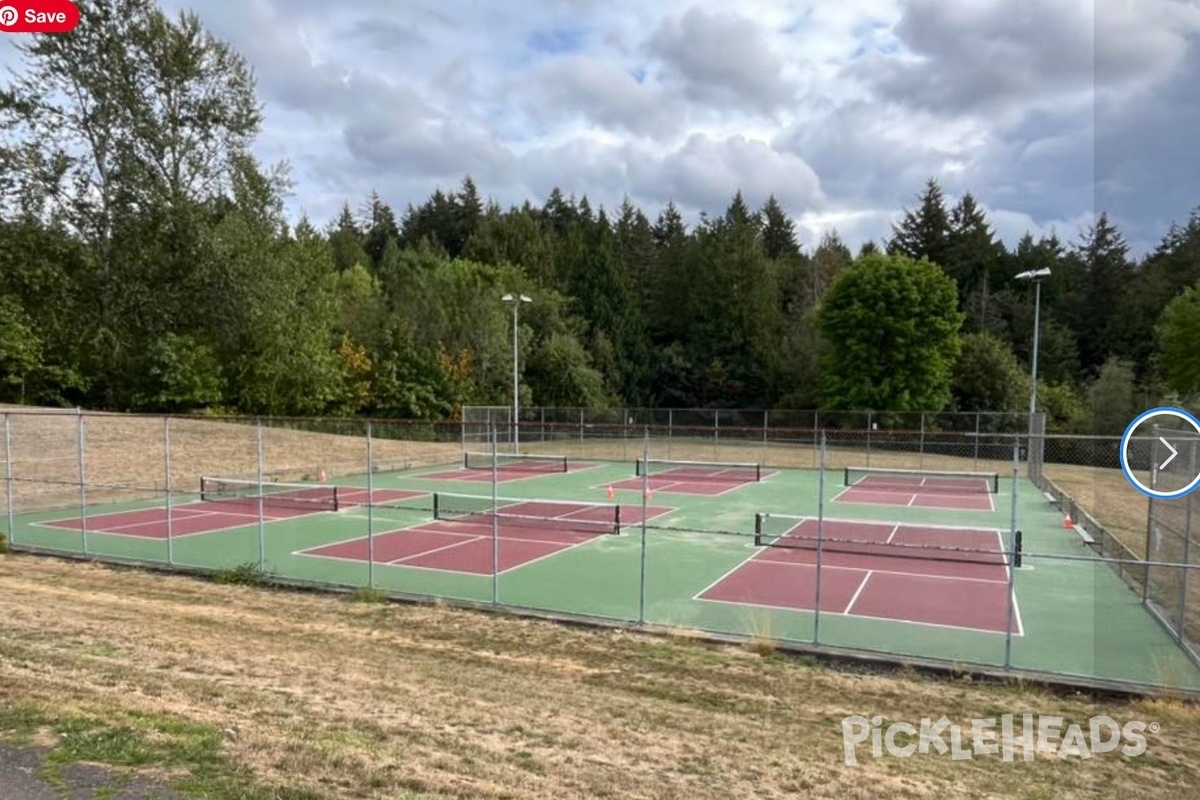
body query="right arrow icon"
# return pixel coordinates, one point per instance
(1171, 457)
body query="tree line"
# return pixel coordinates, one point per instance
(146, 263)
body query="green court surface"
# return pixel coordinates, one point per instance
(697, 567)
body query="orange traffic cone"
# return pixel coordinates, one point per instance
(1067, 523)
(611, 493)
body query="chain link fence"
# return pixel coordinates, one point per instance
(96, 484)
(1174, 526)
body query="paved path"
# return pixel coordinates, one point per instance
(20, 779)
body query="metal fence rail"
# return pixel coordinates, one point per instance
(80, 464)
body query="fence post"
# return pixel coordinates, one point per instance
(8, 479)
(1012, 548)
(815, 440)
(820, 540)
(1187, 538)
(716, 434)
(496, 519)
(370, 508)
(167, 484)
(82, 480)
(766, 424)
(977, 432)
(262, 523)
(670, 429)
(870, 423)
(1150, 549)
(624, 434)
(642, 555)
(921, 444)
(582, 447)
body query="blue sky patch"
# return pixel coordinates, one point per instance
(556, 40)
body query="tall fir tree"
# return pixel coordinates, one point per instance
(779, 238)
(1104, 256)
(925, 232)
(975, 259)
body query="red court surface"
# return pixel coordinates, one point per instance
(503, 475)
(211, 516)
(698, 480)
(919, 492)
(467, 546)
(869, 583)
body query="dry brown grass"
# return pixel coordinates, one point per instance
(125, 455)
(357, 700)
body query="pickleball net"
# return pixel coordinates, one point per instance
(888, 539)
(919, 480)
(699, 470)
(514, 515)
(312, 498)
(527, 462)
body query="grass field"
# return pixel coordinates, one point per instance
(240, 692)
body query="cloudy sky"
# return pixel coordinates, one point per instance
(1048, 111)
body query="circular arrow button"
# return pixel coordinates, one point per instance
(1174, 451)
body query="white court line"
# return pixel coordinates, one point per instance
(858, 591)
(837, 498)
(879, 570)
(251, 519)
(425, 526)
(1017, 613)
(471, 539)
(855, 616)
(730, 571)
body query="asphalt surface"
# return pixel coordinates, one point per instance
(20, 779)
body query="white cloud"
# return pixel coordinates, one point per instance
(1046, 112)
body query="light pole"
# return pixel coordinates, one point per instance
(1037, 276)
(516, 301)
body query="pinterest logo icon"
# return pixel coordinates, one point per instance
(38, 16)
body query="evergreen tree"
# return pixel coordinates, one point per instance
(381, 228)
(975, 259)
(779, 232)
(347, 240)
(1104, 257)
(829, 259)
(924, 233)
